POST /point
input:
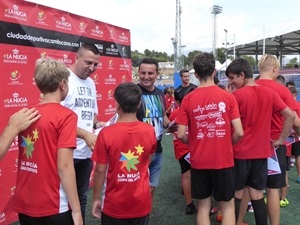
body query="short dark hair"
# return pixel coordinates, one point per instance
(204, 65)
(183, 71)
(281, 78)
(89, 47)
(291, 83)
(166, 90)
(238, 66)
(149, 61)
(128, 96)
(177, 98)
(216, 80)
(293, 90)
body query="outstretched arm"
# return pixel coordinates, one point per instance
(17, 123)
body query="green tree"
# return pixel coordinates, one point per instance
(136, 57)
(292, 62)
(189, 60)
(250, 59)
(221, 55)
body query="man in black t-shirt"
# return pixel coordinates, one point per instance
(185, 84)
(152, 111)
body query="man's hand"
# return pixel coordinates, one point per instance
(90, 140)
(172, 127)
(23, 119)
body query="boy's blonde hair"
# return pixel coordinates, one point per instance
(266, 62)
(49, 73)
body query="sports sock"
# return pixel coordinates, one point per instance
(260, 212)
(237, 203)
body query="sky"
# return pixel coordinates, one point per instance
(152, 22)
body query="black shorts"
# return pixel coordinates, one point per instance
(184, 165)
(220, 183)
(296, 148)
(288, 163)
(278, 180)
(108, 220)
(57, 219)
(251, 172)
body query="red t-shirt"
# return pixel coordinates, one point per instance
(125, 148)
(257, 105)
(289, 146)
(208, 112)
(169, 101)
(38, 173)
(286, 96)
(180, 148)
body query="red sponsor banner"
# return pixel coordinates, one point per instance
(30, 31)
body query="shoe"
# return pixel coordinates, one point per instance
(292, 160)
(284, 203)
(292, 164)
(190, 209)
(298, 180)
(219, 217)
(266, 200)
(250, 209)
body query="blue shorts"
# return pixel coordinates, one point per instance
(155, 168)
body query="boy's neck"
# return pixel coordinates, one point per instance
(207, 83)
(249, 82)
(51, 97)
(127, 117)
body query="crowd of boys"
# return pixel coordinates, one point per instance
(227, 139)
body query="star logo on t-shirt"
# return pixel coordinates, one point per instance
(28, 143)
(130, 159)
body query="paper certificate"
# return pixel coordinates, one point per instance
(108, 123)
(188, 157)
(273, 164)
(290, 140)
(167, 129)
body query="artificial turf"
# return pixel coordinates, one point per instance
(169, 206)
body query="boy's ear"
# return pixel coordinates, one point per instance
(117, 105)
(63, 84)
(242, 74)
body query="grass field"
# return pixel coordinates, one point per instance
(169, 206)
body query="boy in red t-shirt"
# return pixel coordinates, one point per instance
(45, 163)
(181, 150)
(296, 146)
(268, 67)
(122, 154)
(170, 101)
(251, 152)
(210, 114)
